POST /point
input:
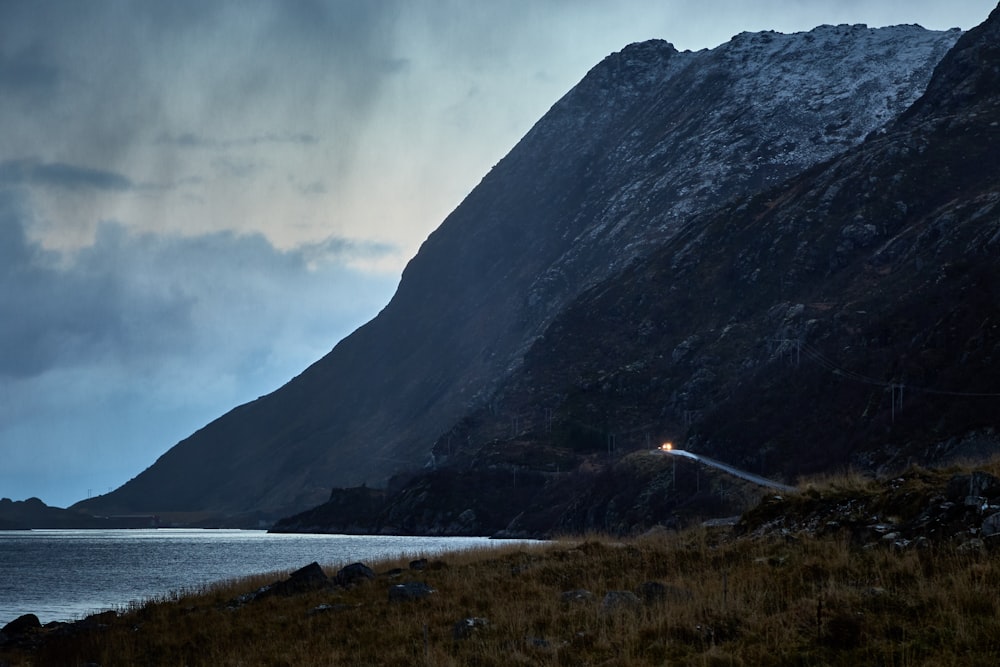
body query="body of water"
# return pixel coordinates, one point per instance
(63, 575)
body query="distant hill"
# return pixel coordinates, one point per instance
(587, 280)
(33, 513)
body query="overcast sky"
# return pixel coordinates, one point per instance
(200, 198)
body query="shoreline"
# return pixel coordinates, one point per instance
(842, 572)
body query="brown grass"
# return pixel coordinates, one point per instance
(798, 601)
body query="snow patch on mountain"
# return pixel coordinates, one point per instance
(667, 134)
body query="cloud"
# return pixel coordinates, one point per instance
(194, 140)
(27, 71)
(314, 188)
(340, 250)
(61, 175)
(135, 298)
(112, 353)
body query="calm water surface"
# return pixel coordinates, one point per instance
(62, 575)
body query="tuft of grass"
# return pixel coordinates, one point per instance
(849, 481)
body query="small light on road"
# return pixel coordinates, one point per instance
(667, 446)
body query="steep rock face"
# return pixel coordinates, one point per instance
(968, 76)
(849, 316)
(649, 137)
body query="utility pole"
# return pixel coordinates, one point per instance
(896, 389)
(794, 353)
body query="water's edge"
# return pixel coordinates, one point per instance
(65, 575)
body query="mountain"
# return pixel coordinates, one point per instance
(615, 170)
(849, 317)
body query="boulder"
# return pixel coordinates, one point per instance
(354, 574)
(654, 592)
(101, 619)
(991, 525)
(21, 625)
(576, 596)
(411, 590)
(620, 601)
(308, 578)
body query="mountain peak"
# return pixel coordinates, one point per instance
(620, 165)
(969, 72)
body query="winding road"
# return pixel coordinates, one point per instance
(735, 472)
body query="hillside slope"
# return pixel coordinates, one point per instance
(850, 317)
(649, 137)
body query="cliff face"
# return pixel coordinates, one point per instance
(850, 316)
(613, 172)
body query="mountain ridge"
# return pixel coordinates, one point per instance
(848, 318)
(609, 173)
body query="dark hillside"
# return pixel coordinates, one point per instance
(648, 138)
(850, 317)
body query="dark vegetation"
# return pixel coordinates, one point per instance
(628, 496)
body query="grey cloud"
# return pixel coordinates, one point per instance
(185, 140)
(337, 248)
(193, 140)
(237, 168)
(30, 292)
(111, 354)
(314, 188)
(395, 65)
(142, 299)
(27, 71)
(125, 80)
(303, 138)
(61, 175)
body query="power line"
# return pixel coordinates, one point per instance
(827, 363)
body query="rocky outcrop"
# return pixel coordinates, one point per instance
(648, 138)
(914, 510)
(351, 511)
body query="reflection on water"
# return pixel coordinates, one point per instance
(63, 575)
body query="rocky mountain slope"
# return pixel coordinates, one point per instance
(616, 169)
(850, 316)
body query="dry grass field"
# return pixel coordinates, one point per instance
(705, 596)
